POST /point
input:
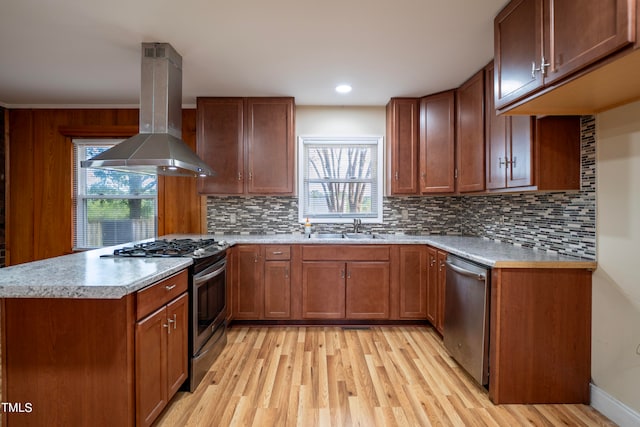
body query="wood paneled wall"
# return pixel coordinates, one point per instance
(39, 214)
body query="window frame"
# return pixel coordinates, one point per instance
(310, 140)
(79, 215)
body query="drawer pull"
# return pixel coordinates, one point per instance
(170, 287)
(278, 253)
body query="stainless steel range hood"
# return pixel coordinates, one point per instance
(158, 148)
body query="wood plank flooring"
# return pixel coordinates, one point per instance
(330, 376)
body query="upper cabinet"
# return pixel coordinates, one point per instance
(249, 143)
(470, 135)
(547, 51)
(437, 143)
(402, 146)
(529, 153)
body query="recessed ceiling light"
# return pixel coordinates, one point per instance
(343, 88)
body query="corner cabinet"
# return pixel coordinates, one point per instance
(437, 143)
(540, 42)
(249, 143)
(402, 146)
(470, 135)
(120, 360)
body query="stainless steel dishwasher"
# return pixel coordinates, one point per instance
(466, 316)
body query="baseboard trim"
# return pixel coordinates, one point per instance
(613, 409)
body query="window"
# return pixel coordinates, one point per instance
(340, 179)
(110, 207)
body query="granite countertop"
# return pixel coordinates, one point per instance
(482, 251)
(87, 275)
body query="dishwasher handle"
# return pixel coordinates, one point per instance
(478, 276)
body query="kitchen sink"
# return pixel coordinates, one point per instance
(361, 236)
(327, 236)
(345, 236)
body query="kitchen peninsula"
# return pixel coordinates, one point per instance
(69, 322)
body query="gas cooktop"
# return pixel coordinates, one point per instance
(194, 248)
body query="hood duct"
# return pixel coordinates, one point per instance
(158, 148)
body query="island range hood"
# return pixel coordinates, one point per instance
(158, 148)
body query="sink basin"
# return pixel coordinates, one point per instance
(327, 236)
(362, 236)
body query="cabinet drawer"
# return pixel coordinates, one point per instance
(160, 293)
(345, 253)
(277, 252)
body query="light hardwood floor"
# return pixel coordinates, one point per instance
(330, 376)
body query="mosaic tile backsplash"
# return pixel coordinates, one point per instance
(562, 222)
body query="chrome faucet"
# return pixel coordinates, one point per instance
(357, 222)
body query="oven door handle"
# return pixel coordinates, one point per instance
(197, 279)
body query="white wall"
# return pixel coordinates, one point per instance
(616, 282)
(340, 121)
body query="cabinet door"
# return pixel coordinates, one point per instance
(270, 145)
(520, 151)
(518, 38)
(496, 137)
(470, 134)
(177, 343)
(277, 290)
(441, 258)
(413, 282)
(437, 143)
(402, 146)
(151, 366)
(323, 290)
(432, 285)
(581, 32)
(249, 291)
(220, 143)
(367, 294)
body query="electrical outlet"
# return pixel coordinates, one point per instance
(232, 218)
(404, 214)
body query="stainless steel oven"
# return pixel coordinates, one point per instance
(208, 308)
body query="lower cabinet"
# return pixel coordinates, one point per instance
(436, 279)
(323, 290)
(277, 282)
(111, 362)
(161, 358)
(345, 290)
(261, 282)
(412, 282)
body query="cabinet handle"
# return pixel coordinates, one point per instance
(397, 176)
(174, 321)
(542, 69)
(342, 274)
(501, 162)
(433, 262)
(255, 259)
(441, 266)
(513, 162)
(166, 325)
(250, 176)
(349, 275)
(170, 287)
(239, 176)
(286, 273)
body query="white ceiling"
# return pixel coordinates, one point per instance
(87, 52)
